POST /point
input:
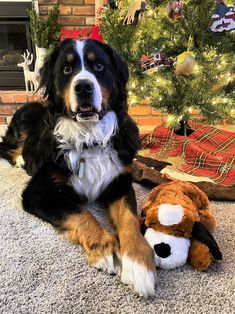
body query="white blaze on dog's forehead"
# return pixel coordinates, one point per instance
(169, 214)
(86, 75)
(79, 47)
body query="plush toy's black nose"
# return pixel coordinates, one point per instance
(162, 250)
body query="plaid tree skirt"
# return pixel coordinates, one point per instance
(208, 152)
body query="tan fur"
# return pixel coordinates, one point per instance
(84, 229)
(199, 255)
(59, 178)
(196, 208)
(132, 243)
(191, 198)
(91, 56)
(66, 97)
(15, 153)
(105, 96)
(70, 57)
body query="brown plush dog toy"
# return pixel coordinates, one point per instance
(177, 224)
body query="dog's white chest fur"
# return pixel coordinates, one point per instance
(101, 166)
(100, 163)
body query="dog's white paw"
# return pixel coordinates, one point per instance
(138, 276)
(109, 263)
(104, 254)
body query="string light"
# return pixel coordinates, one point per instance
(133, 85)
(190, 109)
(132, 101)
(180, 118)
(170, 119)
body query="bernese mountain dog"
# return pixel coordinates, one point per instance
(78, 147)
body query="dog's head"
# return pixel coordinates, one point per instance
(85, 79)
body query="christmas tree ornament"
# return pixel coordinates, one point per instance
(224, 18)
(155, 3)
(185, 63)
(135, 13)
(122, 11)
(112, 4)
(154, 62)
(175, 9)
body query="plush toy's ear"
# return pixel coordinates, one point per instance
(201, 233)
(143, 226)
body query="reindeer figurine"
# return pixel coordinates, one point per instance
(30, 77)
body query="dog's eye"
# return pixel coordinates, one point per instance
(98, 67)
(67, 69)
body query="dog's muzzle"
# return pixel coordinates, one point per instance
(84, 90)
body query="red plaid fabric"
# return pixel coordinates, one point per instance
(207, 152)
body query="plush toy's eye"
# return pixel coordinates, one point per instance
(98, 67)
(67, 69)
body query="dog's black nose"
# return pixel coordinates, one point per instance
(84, 87)
(162, 250)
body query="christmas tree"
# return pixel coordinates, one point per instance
(180, 55)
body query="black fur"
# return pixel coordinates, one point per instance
(44, 197)
(200, 233)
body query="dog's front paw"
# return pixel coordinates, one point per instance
(104, 254)
(139, 270)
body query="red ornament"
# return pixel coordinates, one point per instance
(151, 63)
(175, 9)
(88, 32)
(224, 18)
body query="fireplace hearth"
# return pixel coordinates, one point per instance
(14, 40)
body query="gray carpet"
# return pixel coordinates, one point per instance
(42, 273)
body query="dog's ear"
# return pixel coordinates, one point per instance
(121, 67)
(122, 74)
(46, 73)
(201, 233)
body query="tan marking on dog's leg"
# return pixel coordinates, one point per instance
(138, 267)
(101, 247)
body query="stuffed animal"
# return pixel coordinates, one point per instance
(177, 223)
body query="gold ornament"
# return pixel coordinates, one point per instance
(185, 62)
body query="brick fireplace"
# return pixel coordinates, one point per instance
(14, 40)
(74, 14)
